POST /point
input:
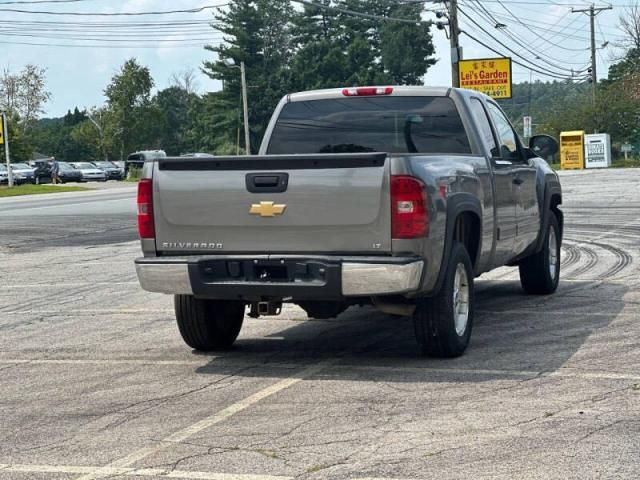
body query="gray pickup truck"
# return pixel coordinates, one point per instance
(396, 197)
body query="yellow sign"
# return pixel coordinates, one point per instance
(267, 209)
(491, 76)
(1, 129)
(572, 150)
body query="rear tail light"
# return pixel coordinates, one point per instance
(146, 226)
(409, 210)
(366, 91)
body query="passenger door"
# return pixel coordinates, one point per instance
(523, 179)
(503, 196)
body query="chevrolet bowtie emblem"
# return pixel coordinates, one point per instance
(267, 209)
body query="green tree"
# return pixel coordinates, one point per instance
(128, 97)
(21, 146)
(173, 103)
(257, 32)
(335, 48)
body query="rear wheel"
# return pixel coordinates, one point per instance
(540, 273)
(443, 323)
(208, 324)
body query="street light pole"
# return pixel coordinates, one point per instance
(245, 102)
(100, 132)
(245, 108)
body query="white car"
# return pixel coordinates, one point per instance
(90, 173)
(4, 176)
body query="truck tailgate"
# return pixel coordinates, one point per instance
(324, 203)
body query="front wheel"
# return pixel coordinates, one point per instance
(208, 324)
(443, 323)
(540, 273)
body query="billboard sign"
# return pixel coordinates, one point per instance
(491, 76)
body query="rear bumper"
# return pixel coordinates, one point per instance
(281, 276)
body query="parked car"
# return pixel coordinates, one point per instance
(67, 173)
(196, 155)
(112, 170)
(25, 170)
(90, 173)
(18, 179)
(321, 217)
(42, 171)
(137, 159)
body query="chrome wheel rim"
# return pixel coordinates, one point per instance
(553, 254)
(461, 299)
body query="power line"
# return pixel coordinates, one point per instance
(114, 14)
(537, 54)
(497, 52)
(360, 14)
(547, 70)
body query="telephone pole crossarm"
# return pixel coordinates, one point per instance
(592, 11)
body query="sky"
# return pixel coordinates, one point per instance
(77, 75)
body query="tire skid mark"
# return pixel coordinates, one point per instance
(623, 259)
(570, 257)
(591, 262)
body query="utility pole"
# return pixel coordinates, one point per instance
(454, 39)
(245, 108)
(4, 126)
(592, 11)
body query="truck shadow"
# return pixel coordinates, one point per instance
(514, 334)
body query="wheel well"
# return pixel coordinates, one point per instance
(467, 232)
(556, 200)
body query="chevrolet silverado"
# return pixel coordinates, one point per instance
(396, 197)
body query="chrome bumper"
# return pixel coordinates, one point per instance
(378, 278)
(358, 279)
(171, 278)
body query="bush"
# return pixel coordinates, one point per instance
(134, 174)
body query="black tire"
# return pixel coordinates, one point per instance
(535, 271)
(208, 324)
(434, 319)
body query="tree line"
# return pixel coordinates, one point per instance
(288, 49)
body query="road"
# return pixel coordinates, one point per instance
(96, 382)
(66, 219)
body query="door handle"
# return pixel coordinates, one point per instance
(267, 182)
(518, 181)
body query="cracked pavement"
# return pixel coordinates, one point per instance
(95, 381)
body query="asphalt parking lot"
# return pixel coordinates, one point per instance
(95, 381)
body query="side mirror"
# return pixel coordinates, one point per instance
(543, 145)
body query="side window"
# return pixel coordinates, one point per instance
(506, 135)
(480, 116)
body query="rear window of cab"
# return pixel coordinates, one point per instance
(392, 124)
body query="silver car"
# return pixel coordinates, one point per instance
(25, 171)
(90, 173)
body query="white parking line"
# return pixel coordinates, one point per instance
(222, 415)
(132, 472)
(105, 361)
(65, 205)
(68, 285)
(565, 372)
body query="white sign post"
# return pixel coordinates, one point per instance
(597, 150)
(626, 149)
(4, 127)
(526, 122)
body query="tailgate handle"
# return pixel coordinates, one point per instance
(267, 182)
